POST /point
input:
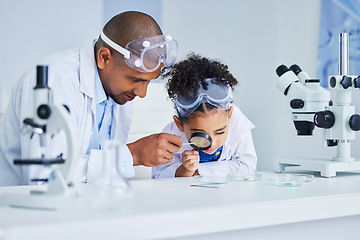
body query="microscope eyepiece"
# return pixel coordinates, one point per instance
(281, 70)
(295, 68)
(41, 77)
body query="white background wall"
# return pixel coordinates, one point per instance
(253, 37)
(30, 30)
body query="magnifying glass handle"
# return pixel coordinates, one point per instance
(184, 144)
(192, 144)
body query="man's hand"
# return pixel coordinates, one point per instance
(155, 150)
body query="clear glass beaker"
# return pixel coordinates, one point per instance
(111, 191)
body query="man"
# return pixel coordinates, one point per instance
(97, 83)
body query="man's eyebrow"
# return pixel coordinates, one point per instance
(220, 129)
(137, 79)
(141, 79)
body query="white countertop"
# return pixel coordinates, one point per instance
(160, 208)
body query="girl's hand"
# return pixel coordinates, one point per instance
(190, 160)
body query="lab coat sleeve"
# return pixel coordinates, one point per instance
(239, 156)
(168, 170)
(125, 165)
(244, 160)
(242, 163)
(10, 143)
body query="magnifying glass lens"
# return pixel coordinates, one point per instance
(200, 141)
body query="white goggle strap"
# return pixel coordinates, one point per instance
(115, 46)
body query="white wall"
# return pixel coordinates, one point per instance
(254, 37)
(30, 30)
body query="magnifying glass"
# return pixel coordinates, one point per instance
(199, 141)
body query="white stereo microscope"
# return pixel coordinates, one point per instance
(311, 106)
(49, 119)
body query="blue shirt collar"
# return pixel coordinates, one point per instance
(204, 157)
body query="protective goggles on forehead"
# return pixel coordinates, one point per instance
(146, 55)
(216, 94)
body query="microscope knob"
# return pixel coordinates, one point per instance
(354, 122)
(331, 143)
(296, 103)
(357, 82)
(332, 82)
(346, 82)
(324, 119)
(44, 111)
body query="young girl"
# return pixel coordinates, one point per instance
(201, 91)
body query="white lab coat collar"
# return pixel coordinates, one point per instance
(87, 58)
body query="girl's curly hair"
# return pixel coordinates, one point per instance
(187, 75)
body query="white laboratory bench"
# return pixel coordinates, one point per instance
(172, 209)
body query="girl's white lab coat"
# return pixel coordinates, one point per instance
(238, 155)
(71, 77)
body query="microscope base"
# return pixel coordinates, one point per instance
(326, 167)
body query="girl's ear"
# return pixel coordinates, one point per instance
(231, 109)
(178, 123)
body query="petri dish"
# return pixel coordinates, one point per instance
(211, 179)
(286, 180)
(305, 177)
(247, 178)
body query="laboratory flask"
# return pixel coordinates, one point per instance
(111, 191)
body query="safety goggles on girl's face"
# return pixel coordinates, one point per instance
(146, 55)
(216, 94)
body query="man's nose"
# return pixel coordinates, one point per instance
(141, 90)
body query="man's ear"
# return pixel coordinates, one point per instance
(231, 109)
(178, 123)
(103, 57)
